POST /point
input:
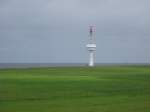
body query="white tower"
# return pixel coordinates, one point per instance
(91, 47)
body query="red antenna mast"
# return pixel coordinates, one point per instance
(91, 30)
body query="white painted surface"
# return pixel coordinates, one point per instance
(91, 59)
(91, 49)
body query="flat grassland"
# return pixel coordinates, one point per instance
(75, 89)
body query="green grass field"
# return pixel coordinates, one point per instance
(75, 89)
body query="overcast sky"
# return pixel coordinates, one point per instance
(57, 30)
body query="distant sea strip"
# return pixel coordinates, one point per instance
(39, 65)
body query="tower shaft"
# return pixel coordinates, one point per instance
(91, 58)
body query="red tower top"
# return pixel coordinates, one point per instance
(91, 30)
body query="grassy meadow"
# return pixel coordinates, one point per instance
(75, 89)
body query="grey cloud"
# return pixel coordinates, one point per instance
(57, 30)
